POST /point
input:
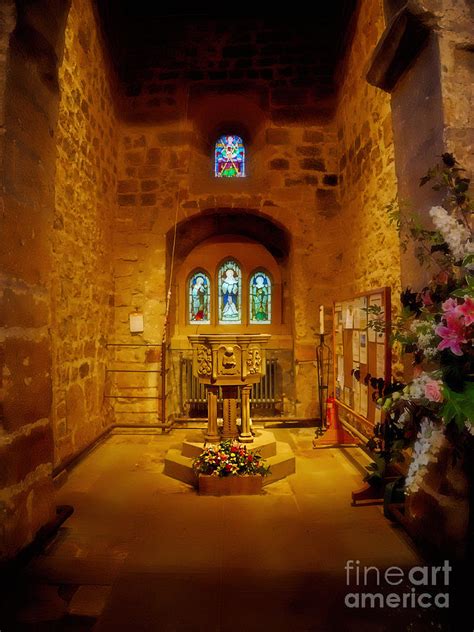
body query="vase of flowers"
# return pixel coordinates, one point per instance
(228, 468)
(432, 417)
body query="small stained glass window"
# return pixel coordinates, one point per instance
(199, 299)
(230, 157)
(230, 289)
(260, 299)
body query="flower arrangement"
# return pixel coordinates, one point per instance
(436, 325)
(230, 458)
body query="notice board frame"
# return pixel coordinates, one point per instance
(357, 347)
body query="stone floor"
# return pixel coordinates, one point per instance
(143, 552)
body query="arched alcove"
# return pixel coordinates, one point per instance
(224, 221)
(210, 255)
(207, 238)
(254, 244)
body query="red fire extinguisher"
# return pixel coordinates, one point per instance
(331, 412)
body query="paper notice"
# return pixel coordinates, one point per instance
(380, 360)
(356, 390)
(340, 370)
(356, 315)
(347, 396)
(374, 300)
(363, 348)
(364, 400)
(349, 316)
(363, 312)
(355, 345)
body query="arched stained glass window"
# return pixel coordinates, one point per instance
(199, 299)
(260, 299)
(230, 291)
(230, 157)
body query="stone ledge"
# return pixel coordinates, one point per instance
(398, 47)
(264, 442)
(179, 462)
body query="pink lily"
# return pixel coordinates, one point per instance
(452, 334)
(449, 306)
(467, 310)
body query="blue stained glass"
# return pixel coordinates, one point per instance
(199, 299)
(230, 157)
(230, 288)
(260, 299)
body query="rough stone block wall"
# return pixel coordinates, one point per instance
(455, 28)
(432, 111)
(370, 253)
(28, 107)
(318, 172)
(164, 171)
(86, 182)
(278, 58)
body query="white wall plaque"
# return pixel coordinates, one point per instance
(136, 323)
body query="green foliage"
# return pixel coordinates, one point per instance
(439, 336)
(465, 291)
(376, 470)
(458, 407)
(449, 176)
(375, 318)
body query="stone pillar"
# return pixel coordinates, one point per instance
(229, 394)
(245, 434)
(212, 434)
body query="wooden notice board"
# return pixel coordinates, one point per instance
(360, 353)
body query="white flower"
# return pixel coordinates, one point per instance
(455, 234)
(416, 388)
(428, 443)
(469, 426)
(402, 420)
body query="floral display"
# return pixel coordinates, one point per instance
(436, 325)
(429, 441)
(230, 458)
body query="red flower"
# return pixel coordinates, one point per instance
(426, 298)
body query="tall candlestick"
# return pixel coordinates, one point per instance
(321, 320)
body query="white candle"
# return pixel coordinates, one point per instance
(321, 319)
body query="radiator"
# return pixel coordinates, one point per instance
(264, 398)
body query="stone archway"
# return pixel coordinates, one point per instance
(237, 223)
(252, 239)
(217, 221)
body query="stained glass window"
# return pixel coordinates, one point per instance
(230, 289)
(199, 299)
(230, 157)
(260, 299)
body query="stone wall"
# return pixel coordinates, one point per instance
(453, 22)
(29, 100)
(164, 174)
(319, 174)
(370, 255)
(82, 296)
(278, 58)
(432, 113)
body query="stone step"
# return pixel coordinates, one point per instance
(281, 465)
(179, 467)
(264, 442)
(178, 463)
